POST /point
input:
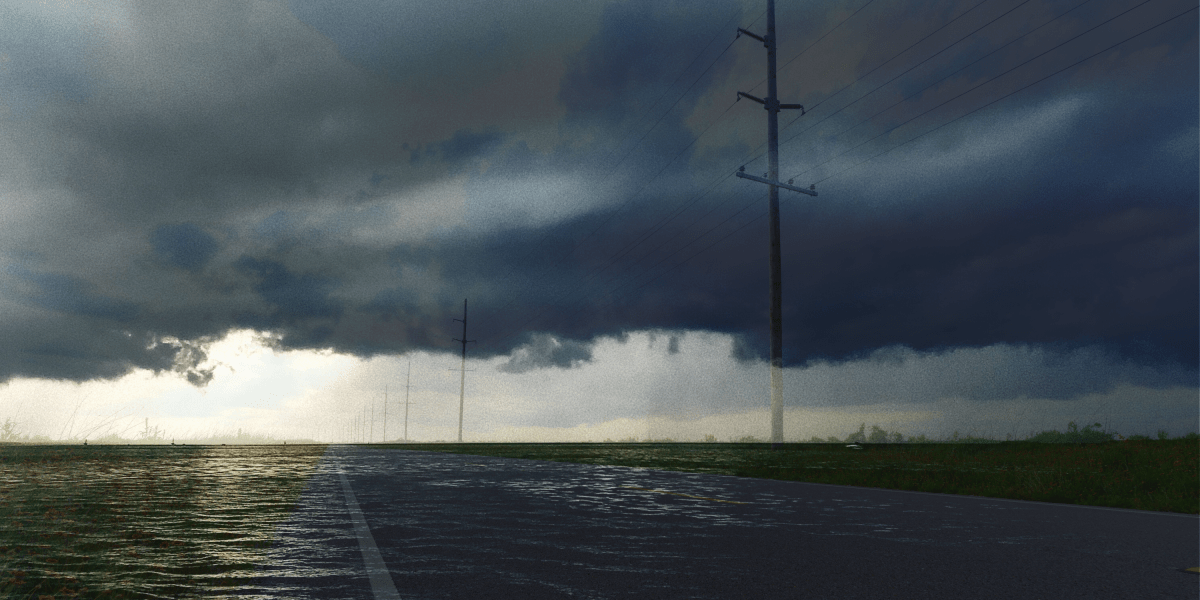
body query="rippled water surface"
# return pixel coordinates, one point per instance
(143, 521)
(275, 522)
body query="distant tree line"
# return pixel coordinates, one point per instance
(1089, 434)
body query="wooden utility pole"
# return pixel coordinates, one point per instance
(771, 178)
(407, 386)
(463, 370)
(385, 413)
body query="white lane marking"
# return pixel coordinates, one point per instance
(381, 581)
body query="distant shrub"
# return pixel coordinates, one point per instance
(8, 431)
(877, 436)
(748, 439)
(1075, 435)
(859, 436)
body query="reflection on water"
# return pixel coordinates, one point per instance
(270, 522)
(142, 521)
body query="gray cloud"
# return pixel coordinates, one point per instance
(543, 351)
(184, 245)
(255, 168)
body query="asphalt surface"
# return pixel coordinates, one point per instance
(472, 527)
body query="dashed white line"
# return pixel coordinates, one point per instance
(381, 581)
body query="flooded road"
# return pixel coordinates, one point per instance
(143, 521)
(459, 526)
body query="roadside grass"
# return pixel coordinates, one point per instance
(1076, 467)
(142, 521)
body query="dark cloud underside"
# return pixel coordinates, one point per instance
(344, 178)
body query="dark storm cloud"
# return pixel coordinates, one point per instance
(71, 295)
(632, 54)
(544, 351)
(294, 297)
(185, 245)
(467, 144)
(221, 115)
(345, 177)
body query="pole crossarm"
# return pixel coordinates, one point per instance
(771, 103)
(754, 98)
(753, 35)
(811, 191)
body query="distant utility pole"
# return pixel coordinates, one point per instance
(385, 413)
(407, 385)
(772, 106)
(462, 380)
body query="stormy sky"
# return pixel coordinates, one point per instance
(253, 214)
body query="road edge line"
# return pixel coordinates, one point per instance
(382, 585)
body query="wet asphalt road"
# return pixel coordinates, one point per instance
(472, 527)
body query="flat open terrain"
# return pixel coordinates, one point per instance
(1158, 475)
(275, 522)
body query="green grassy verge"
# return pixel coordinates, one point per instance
(142, 521)
(1157, 475)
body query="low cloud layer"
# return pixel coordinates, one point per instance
(343, 179)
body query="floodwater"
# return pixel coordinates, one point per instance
(143, 521)
(274, 522)
(460, 526)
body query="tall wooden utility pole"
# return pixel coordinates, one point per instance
(463, 377)
(385, 413)
(772, 105)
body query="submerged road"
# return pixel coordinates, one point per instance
(376, 524)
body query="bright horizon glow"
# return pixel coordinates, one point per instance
(636, 389)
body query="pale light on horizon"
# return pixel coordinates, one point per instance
(684, 386)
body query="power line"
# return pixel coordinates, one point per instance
(662, 222)
(917, 93)
(976, 86)
(658, 226)
(894, 57)
(1089, 57)
(927, 59)
(810, 46)
(674, 268)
